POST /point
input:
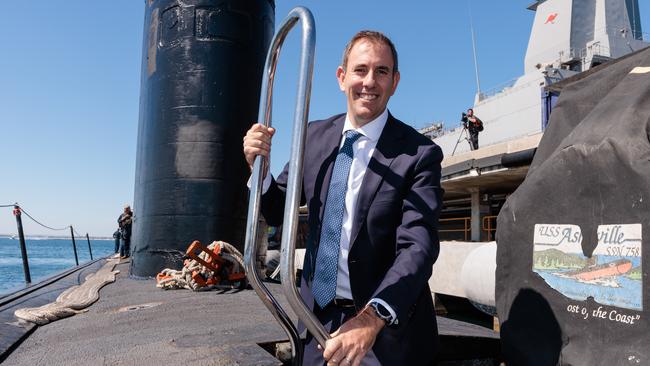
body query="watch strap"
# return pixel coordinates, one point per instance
(382, 312)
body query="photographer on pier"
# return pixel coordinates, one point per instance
(474, 125)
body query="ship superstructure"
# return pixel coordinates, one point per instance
(567, 38)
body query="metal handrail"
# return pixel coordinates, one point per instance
(486, 225)
(465, 230)
(294, 182)
(264, 116)
(489, 229)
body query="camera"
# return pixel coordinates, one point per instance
(463, 117)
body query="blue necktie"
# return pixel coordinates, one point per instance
(327, 260)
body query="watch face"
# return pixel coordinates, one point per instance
(382, 311)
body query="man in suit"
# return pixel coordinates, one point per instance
(372, 186)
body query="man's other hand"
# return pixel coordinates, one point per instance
(258, 142)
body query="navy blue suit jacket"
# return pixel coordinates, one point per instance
(394, 240)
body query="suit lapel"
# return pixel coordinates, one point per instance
(328, 151)
(321, 150)
(388, 147)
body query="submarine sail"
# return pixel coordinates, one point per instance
(202, 64)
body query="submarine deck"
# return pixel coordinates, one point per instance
(134, 322)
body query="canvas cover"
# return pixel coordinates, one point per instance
(572, 257)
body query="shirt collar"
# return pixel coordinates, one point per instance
(371, 130)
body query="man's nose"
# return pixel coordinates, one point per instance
(369, 80)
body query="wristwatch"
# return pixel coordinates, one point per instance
(382, 312)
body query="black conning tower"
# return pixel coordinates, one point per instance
(201, 75)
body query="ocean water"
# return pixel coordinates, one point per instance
(47, 257)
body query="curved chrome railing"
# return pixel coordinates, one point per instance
(300, 122)
(294, 188)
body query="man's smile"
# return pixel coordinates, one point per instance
(367, 96)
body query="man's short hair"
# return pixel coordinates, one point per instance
(371, 36)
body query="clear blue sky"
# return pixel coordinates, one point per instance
(70, 84)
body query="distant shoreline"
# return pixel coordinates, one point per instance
(49, 237)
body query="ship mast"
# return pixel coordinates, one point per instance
(471, 27)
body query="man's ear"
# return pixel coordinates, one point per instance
(396, 77)
(340, 76)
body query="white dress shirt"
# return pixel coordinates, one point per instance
(363, 149)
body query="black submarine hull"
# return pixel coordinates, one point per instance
(202, 66)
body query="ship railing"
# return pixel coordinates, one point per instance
(464, 225)
(498, 89)
(574, 55)
(294, 186)
(595, 49)
(18, 212)
(489, 226)
(464, 221)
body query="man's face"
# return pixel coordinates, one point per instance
(470, 112)
(368, 82)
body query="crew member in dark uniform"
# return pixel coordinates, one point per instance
(117, 238)
(125, 221)
(474, 125)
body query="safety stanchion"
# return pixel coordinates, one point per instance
(90, 250)
(23, 248)
(74, 245)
